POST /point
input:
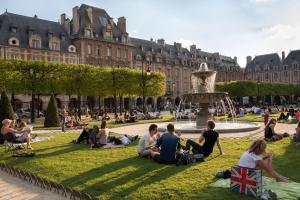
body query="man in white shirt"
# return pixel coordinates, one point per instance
(147, 143)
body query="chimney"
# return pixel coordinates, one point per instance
(90, 15)
(193, 48)
(63, 19)
(283, 55)
(161, 42)
(235, 59)
(177, 46)
(75, 19)
(122, 24)
(249, 59)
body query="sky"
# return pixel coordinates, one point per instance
(230, 27)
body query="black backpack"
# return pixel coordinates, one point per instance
(185, 159)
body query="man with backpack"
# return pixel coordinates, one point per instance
(170, 147)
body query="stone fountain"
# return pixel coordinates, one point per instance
(203, 92)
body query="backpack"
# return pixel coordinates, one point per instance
(185, 159)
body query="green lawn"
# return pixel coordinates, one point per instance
(111, 123)
(257, 118)
(119, 173)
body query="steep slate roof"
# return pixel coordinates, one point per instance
(292, 57)
(40, 27)
(168, 52)
(100, 19)
(272, 60)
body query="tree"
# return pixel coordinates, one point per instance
(51, 118)
(6, 110)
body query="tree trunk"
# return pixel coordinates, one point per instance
(99, 103)
(121, 104)
(115, 104)
(79, 106)
(38, 106)
(13, 103)
(32, 108)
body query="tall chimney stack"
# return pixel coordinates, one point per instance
(75, 28)
(283, 55)
(63, 19)
(248, 59)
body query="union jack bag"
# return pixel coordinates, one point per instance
(246, 181)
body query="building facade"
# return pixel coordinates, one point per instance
(273, 68)
(91, 36)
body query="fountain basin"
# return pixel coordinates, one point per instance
(221, 127)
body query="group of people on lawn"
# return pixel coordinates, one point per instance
(168, 148)
(12, 132)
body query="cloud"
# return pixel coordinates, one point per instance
(280, 32)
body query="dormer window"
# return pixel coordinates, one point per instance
(35, 44)
(88, 33)
(50, 34)
(13, 41)
(35, 41)
(72, 48)
(54, 44)
(13, 29)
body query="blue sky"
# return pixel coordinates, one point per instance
(231, 27)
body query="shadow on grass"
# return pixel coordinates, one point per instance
(107, 181)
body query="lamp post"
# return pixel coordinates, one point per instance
(258, 84)
(144, 79)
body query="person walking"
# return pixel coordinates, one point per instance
(64, 115)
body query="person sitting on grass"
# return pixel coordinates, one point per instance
(118, 120)
(102, 135)
(13, 135)
(146, 146)
(210, 137)
(170, 147)
(297, 134)
(270, 134)
(256, 157)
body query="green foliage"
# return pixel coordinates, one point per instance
(252, 88)
(6, 110)
(47, 78)
(51, 118)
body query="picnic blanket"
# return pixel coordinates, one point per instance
(41, 138)
(286, 191)
(112, 145)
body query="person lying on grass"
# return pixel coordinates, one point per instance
(210, 137)
(170, 147)
(146, 146)
(270, 134)
(256, 157)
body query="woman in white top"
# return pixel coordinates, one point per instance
(256, 157)
(103, 134)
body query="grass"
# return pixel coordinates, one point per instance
(120, 174)
(111, 123)
(258, 118)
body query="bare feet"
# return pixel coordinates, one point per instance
(29, 147)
